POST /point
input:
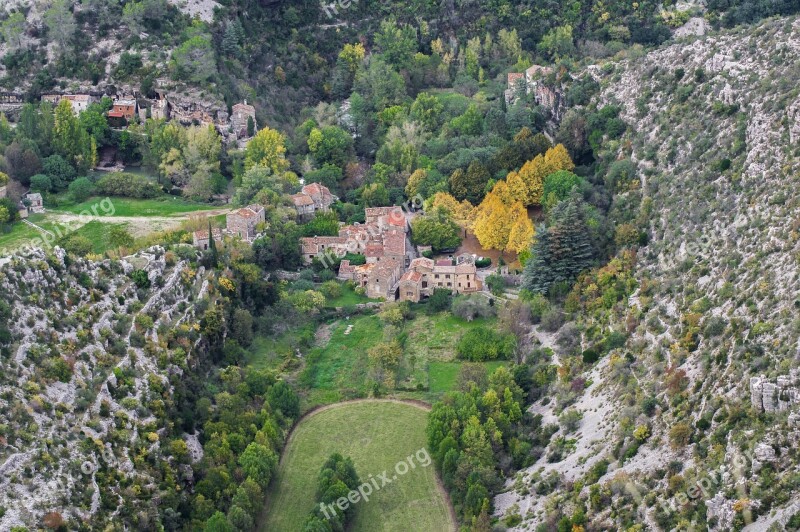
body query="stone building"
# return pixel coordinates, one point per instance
(243, 222)
(79, 102)
(124, 109)
(35, 203)
(312, 198)
(425, 275)
(201, 240)
(241, 114)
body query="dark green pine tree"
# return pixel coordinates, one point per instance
(561, 251)
(538, 275)
(212, 247)
(569, 240)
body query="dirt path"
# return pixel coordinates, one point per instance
(411, 402)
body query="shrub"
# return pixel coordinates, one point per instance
(81, 189)
(471, 307)
(127, 185)
(483, 262)
(496, 284)
(552, 320)
(482, 343)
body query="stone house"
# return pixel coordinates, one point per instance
(79, 102)
(312, 198)
(425, 275)
(201, 240)
(243, 222)
(241, 113)
(35, 203)
(124, 109)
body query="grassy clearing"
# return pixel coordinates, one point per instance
(376, 435)
(278, 352)
(432, 339)
(97, 233)
(339, 368)
(349, 298)
(21, 234)
(163, 206)
(443, 376)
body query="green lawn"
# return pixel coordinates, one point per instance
(97, 233)
(339, 369)
(21, 234)
(443, 376)
(349, 298)
(433, 339)
(376, 435)
(163, 206)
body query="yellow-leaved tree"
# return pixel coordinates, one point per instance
(492, 222)
(557, 158)
(462, 212)
(522, 232)
(533, 173)
(267, 149)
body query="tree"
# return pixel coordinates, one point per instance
(559, 185)
(330, 145)
(521, 234)
(60, 22)
(218, 523)
(282, 397)
(427, 110)
(13, 29)
(267, 149)
(379, 85)
(397, 43)
(41, 183)
(493, 222)
(436, 229)
(81, 189)
(375, 195)
(242, 327)
(558, 42)
(60, 172)
(561, 251)
(70, 140)
(22, 161)
(258, 462)
(470, 185)
(194, 60)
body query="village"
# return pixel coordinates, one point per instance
(394, 268)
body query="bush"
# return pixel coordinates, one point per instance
(471, 307)
(496, 284)
(483, 262)
(41, 183)
(552, 320)
(81, 189)
(439, 300)
(127, 185)
(482, 343)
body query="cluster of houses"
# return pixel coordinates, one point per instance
(392, 270)
(236, 127)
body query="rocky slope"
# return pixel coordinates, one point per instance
(715, 138)
(86, 384)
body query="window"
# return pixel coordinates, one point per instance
(436, 276)
(447, 276)
(449, 285)
(424, 284)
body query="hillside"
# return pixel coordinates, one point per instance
(677, 427)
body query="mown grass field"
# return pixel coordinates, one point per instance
(162, 206)
(376, 435)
